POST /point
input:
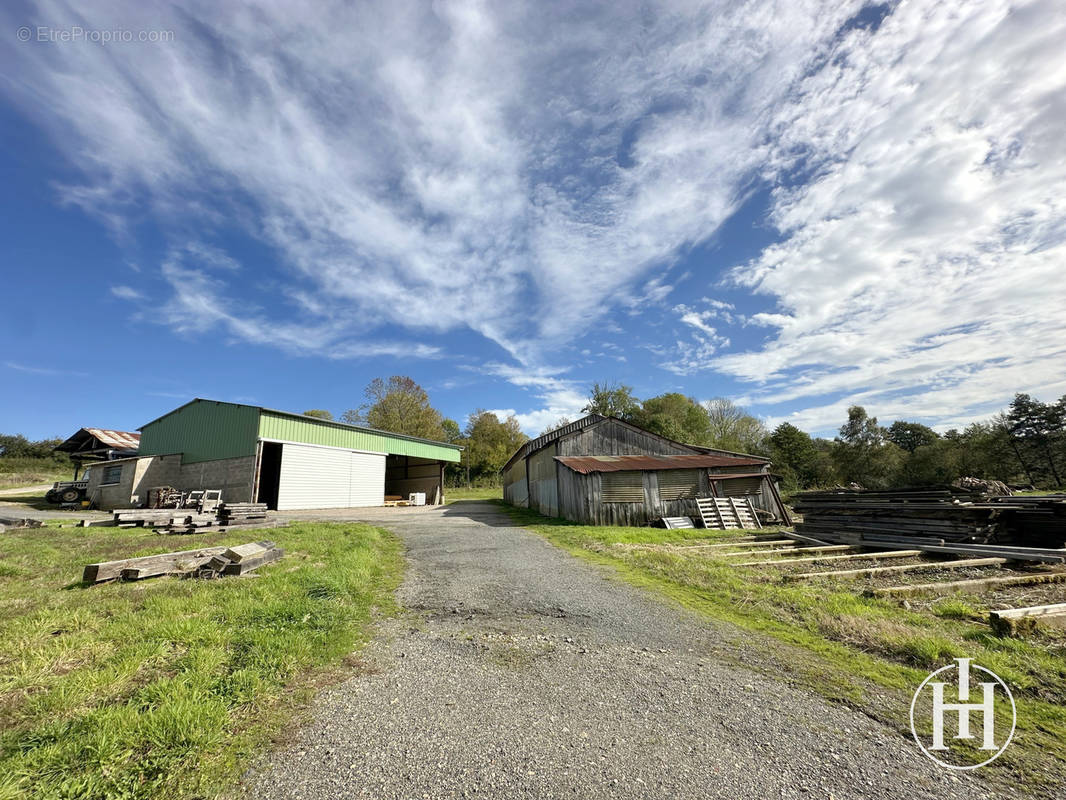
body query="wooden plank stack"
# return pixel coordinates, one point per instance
(241, 513)
(936, 518)
(171, 520)
(202, 563)
(1034, 521)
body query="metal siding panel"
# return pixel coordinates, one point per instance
(367, 483)
(314, 477)
(309, 431)
(203, 431)
(326, 477)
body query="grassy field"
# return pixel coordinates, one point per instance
(475, 493)
(165, 688)
(16, 472)
(870, 654)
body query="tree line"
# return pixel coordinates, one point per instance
(400, 405)
(1023, 445)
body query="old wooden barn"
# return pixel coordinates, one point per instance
(603, 471)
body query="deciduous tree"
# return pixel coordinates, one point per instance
(610, 400)
(733, 428)
(398, 405)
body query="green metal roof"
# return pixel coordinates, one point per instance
(205, 430)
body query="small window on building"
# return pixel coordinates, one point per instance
(622, 487)
(112, 474)
(675, 484)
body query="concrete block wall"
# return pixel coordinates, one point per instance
(138, 476)
(234, 476)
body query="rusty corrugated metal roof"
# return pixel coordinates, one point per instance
(120, 440)
(587, 464)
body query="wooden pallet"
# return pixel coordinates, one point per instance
(726, 513)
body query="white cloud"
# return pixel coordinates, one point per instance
(495, 168)
(476, 166)
(127, 293)
(47, 371)
(556, 397)
(920, 269)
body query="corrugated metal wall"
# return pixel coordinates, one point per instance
(515, 489)
(203, 431)
(320, 477)
(543, 494)
(292, 429)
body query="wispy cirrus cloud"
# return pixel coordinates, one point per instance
(47, 371)
(919, 265)
(444, 168)
(127, 293)
(521, 173)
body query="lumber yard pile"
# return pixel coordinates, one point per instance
(207, 562)
(170, 520)
(1034, 521)
(934, 519)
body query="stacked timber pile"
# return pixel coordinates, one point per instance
(170, 520)
(1033, 521)
(207, 562)
(241, 513)
(933, 517)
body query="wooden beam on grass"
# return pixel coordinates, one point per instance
(980, 583)
(871, 571)
(749, 543)
(109, 570)
(827, 548)
(1015, 621)
(845, 557)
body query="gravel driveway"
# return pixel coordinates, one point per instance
(523, 672)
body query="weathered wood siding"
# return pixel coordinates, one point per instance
(515, 488)
(761, 495)
(543, 489)
(575, 496)
(548, 487)
(581, 500)
(612, 438)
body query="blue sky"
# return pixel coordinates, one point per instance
(799, 206)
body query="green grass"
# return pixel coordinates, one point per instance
(165, 688)
(473, 493)
(18, 472)
(870, 654)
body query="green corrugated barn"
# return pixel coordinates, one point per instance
(286, 460)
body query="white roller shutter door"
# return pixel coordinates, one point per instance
(368, 480)
(329, 477)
